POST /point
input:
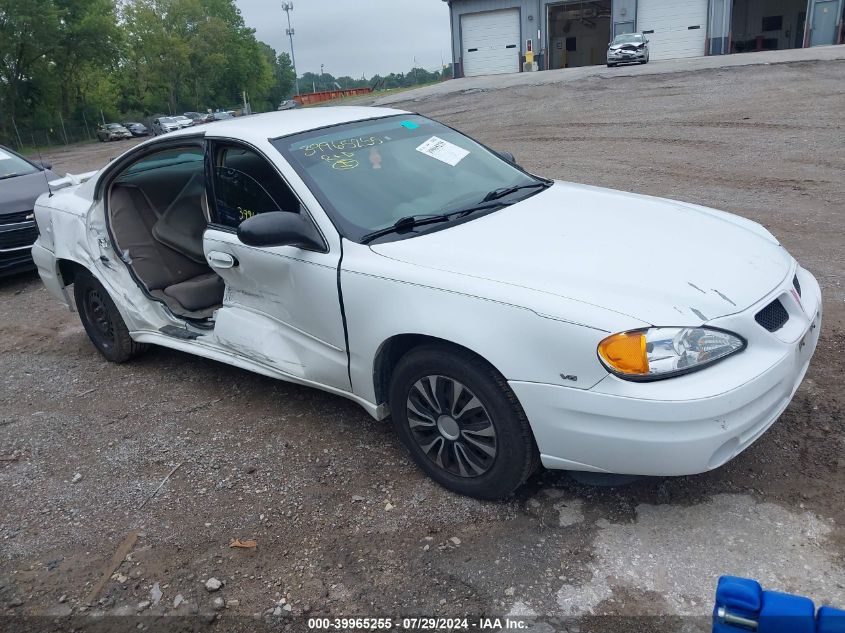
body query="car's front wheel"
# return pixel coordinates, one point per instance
(461, 422)
(102, 321)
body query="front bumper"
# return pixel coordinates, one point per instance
(16, 241)
(685, 425)
(621, 57)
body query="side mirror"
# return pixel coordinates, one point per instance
(280, 228)
(508, 157)
(45, 165)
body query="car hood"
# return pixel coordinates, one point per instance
(19, 193)
(659, 261)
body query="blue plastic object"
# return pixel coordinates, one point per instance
(830, 620)
(743, 605)
(784, 613)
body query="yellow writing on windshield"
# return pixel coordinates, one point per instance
(340, 145)
(341, 160)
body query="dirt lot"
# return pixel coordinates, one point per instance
(345, 524)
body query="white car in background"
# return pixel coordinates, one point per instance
(183, 121)
(627, 48)
(165, 124)
(502, 319)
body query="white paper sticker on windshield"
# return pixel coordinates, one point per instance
(443, 151)
(4, 155)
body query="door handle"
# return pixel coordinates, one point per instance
(216, 259)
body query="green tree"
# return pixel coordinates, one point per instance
(191, 55)
(87, 42)
(28, 34)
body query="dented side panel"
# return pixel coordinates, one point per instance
(282, 307)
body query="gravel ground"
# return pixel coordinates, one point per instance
(344, 524)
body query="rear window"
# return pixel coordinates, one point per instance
(167, 158)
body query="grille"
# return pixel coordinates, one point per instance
(797, 285)
(15, 239)
(14, 218)
(773, 317)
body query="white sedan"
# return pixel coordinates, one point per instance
(501, 319)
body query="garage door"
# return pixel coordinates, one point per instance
(674, 28)
(490, 42)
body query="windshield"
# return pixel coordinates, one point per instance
(12, 165)
(167, 120)
(370, 174)
(628, 38)
(114, 126)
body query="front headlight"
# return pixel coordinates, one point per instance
(662, 352)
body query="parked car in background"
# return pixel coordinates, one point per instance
(627, 48)
(198, 118)
(221, 116)
(183, 121)
(165, 124)
(290, 104)
(502, 319)
(112, 132)
(21, 182)
(137, 129)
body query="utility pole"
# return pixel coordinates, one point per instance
(287, 7)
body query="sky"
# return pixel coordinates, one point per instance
(355, 37)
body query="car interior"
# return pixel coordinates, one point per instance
(158, 212)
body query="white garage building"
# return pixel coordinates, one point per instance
(502, 36)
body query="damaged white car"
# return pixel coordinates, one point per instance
(503, 320)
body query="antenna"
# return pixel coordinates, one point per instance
(44, 171)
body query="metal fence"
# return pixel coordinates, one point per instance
(65, 133)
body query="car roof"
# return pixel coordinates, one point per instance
(258, 128)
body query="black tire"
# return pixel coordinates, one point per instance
(102, 321)
(515, 455)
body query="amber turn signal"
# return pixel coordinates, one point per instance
(625, 353)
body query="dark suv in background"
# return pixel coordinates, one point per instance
(21, 182)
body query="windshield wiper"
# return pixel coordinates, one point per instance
(405, 224)
(506, 191)
(490, 201)
(413, 221)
